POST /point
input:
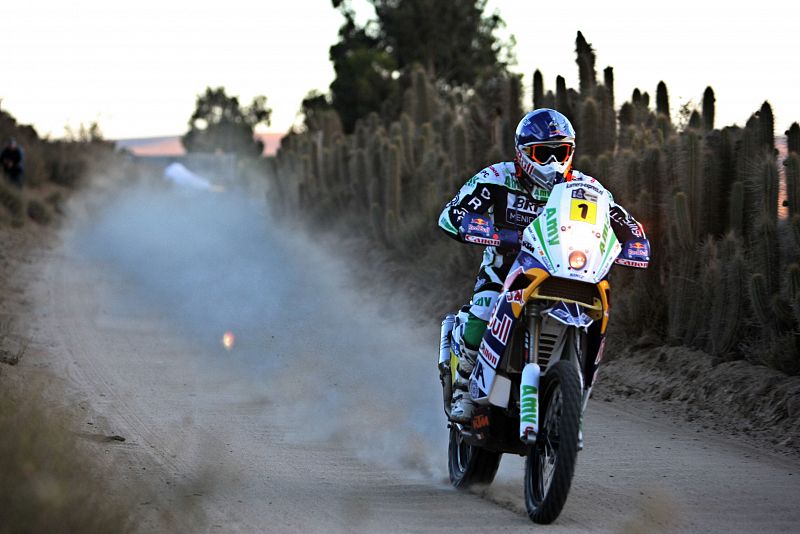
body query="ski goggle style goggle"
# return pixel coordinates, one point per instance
(542, 153)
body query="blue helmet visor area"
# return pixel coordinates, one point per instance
(544, 125)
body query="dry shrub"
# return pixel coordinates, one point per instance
(38, 212)
(48, 482)
(11, 199)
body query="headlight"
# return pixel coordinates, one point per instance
(577, 260)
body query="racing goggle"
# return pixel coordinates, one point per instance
(542, 153)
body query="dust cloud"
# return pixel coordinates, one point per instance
(312, 345)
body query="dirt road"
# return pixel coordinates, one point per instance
(325, 415)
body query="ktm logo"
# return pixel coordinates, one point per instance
(480, 421)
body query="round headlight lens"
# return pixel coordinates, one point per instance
(577, 260)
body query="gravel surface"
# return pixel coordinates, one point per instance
(325, 416)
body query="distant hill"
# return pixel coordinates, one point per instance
(171, 145)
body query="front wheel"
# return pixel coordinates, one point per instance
(550, 463)
(469, 465)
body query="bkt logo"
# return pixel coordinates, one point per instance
(522, 203)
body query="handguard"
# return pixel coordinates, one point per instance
(478, 229)
(635, 253)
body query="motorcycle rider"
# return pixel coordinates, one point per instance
(512, 194)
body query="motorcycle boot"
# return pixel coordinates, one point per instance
(463, 405)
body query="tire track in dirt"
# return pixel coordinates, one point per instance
(326, 416)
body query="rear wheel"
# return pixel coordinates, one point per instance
(551, 461)
(469, 465)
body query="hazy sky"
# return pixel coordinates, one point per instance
(136, 67)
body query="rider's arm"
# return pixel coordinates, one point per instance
(635, 246)
(475, 196)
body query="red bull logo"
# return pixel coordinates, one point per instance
(637, 245)
(479, 221)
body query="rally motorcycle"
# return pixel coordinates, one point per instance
(528, 380)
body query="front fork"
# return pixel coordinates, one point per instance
(529, 403)
(529, 385)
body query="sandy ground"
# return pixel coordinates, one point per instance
(326, 414)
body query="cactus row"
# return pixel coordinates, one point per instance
(725, 275)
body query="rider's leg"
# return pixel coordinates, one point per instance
(479, 311)
(595, 342)
(489, 283)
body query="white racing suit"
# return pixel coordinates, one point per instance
(496, 192)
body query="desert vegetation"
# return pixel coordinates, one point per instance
(52, 168)
(725, 276)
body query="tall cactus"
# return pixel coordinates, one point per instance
(662, 99)
(608, 81)
(458, 152)
(695, 122)
(760, 300)
(591, 143)
(793, 276)
(683, 220)
(423, 97)
(765, 253)
(793, 138)
(766, 124)
(393, 178)
(736, 213)
(792, 164)
(585, 60)
(726, 312)
(562, 100)
(708, 108)
(538, 90)
(693, 183)
(771, 185)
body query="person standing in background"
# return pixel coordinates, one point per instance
(12, 157)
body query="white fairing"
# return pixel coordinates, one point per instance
(575, 218)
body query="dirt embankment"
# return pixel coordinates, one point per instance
(736, 397)
(50, 479)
